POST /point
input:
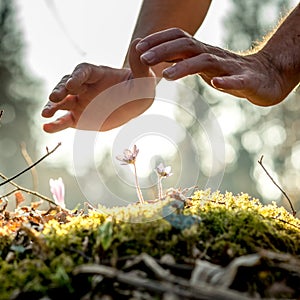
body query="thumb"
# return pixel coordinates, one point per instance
(137, 67)
(233, 82)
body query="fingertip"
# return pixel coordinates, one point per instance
(142, 46)
(55, 95)
(136, 41)
(59, 124)
(234, 82)
(45, 113)
(218, 82)
(71, 84)
(48, 110)
(134, 45)
(139, 69)
(54, 126)
(47, 128)
(169, 73)
(148, 58)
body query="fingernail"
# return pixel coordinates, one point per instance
(54, 95)
(148, 56)
(169, 72)
(47, 107)
(219, 79)
(216, 81)
(141, 46)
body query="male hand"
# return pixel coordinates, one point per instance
(252, 77)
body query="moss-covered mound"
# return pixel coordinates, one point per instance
(42, 251)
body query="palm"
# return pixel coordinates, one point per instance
(101, 98)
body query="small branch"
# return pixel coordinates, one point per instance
(282, 191)
(25, 190)
(31, 166)
(9, 193)
(29, 162)
(1, 113)
(37, 195)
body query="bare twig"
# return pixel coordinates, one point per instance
(31, 166)
(9, 193)
(1, 113)
(29, 162)
(282, 191)
(181, 289)
(25, 190)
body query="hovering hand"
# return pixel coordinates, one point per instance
(252, 77)
(114, 107)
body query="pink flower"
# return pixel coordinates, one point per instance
(57, 189)
(129, 156)
(163, 171)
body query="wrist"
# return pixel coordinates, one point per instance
(286, 70)
(282, 50)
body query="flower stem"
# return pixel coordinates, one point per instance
(159, 186)
(138, 189)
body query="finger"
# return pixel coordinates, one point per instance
(173, 51)
(157, 38)
(51, 108)
(77, 82)
(242, 85)
(249, 85)
(234, 82)
(60, 91)
(88, 74)
(59, 124)
(83, 74)
(139, 70)
(205, 64)
(47, 110)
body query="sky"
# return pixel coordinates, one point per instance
(61, 34)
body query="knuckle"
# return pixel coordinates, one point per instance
(102, 68)
(209, 58)
(63, 81)
(66, 77)
(82, 68)
(83, 65)
(178, 32)
(191, 43)
(184, 65)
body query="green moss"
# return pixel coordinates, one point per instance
(227, 226)
(244, 225)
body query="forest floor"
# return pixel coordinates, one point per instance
(207, 246)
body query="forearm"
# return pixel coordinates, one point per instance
(283, 50)
(157, 15)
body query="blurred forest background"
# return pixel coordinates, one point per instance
(249, 131)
